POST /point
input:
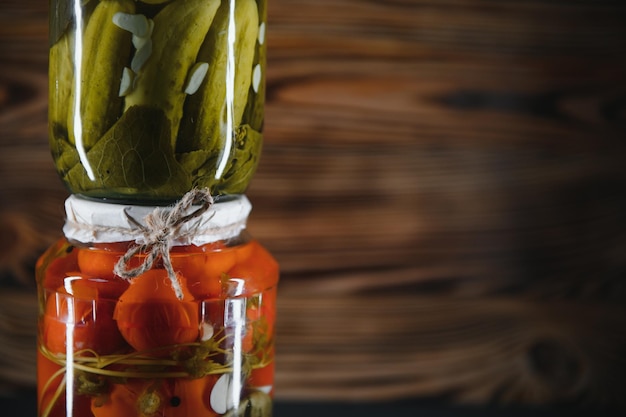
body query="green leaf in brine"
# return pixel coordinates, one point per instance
(62, 16)
(242, 164)
(64, 154)
(199, 163)
(244, 160)
(134, 157)
(93, 385)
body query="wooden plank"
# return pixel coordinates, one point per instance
(469, 349)
(443, 183)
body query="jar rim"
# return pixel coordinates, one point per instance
(91, 221)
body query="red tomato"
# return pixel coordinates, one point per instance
(100, 260)
(77, 311)
(189, 397)
(59, 269)
(262, 378)
(263, 311)
(268, 309)
(47, 385)
(259, 271)
(172, 398)
(204, 273)
(150, 316)
(108, 289)
(247, 343)
(97, 263)
(123, 399)
(245, 251)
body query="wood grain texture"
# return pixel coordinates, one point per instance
(442, 182)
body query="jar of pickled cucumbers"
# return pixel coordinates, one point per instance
(151, 98)
(156, 312)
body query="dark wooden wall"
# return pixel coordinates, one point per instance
(443, 183)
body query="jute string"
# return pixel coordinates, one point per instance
(162, 227)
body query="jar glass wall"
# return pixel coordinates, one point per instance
(110, 347)
(150, 98)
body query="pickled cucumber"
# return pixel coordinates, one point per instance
(205, 124)
(106, 49)
(60, 80)
(179, 29)
(254, 113)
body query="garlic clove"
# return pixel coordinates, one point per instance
(256, 78)
(196, 76)
(137, 24)
(139, 41)
(126, 85)
(220, 399)
(262, 33)
(206, 331)
(141, 56)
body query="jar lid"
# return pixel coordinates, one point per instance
(90, 221)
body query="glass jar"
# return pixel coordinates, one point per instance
(151, 98)
(110, 347)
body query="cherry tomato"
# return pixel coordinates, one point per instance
(76, 310)
(189, 397)
(262, 378)
(261, 314)
(60, 268)
(100, 260)
(123, 399)
(259, 271)
(150, 316)
(204, 272)
(47, 385)
(178, 397)
(244, 252)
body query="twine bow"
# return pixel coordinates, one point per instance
(162, 227)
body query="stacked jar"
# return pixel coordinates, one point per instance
(156, 301)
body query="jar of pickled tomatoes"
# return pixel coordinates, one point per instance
(151, 98)
(142, 314)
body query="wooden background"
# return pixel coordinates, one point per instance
(443, 183)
